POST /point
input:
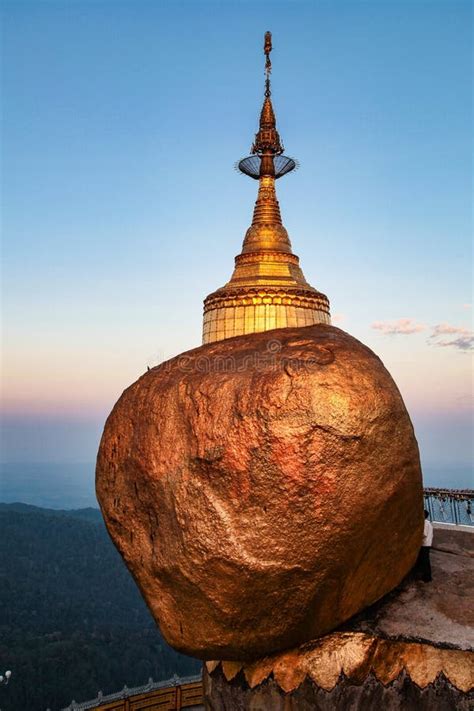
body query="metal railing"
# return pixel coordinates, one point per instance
(455, 506)
(152, 686)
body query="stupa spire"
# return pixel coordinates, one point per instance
(267, 289)
(266, 146)
(267, 140)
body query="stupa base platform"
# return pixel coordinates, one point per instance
(412, 651)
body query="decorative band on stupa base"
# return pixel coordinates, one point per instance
(236, 312)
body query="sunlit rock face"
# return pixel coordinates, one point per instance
(262, 489)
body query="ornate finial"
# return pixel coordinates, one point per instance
(267, 149)
(267, 48)
(267, 141)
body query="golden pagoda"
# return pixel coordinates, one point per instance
(267, 288)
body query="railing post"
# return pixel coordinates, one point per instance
(430, 507)
(455, 508)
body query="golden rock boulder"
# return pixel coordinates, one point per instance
(262, 489)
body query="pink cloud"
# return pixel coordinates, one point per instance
(337, 318)
(445, 328)
(405, 326)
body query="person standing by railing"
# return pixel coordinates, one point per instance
(423, 564)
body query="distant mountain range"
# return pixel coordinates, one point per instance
(51, 485)
(87, 514)
(72, 621)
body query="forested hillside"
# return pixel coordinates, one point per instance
(72, 620)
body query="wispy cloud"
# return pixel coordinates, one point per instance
(404, 326)
(464, 340)
(463, 343)
(443, 329)
(338, 318)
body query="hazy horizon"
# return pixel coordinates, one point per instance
(71, 485)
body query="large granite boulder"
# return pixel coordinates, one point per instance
(262, 489)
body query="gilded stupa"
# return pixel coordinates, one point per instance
(267, 289)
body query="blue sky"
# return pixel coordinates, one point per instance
(121, 125)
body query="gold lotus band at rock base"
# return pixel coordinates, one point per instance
(267, 289)
(356, 655)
